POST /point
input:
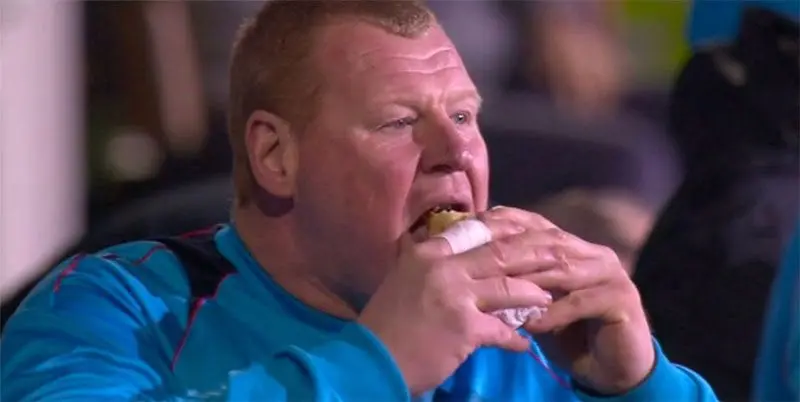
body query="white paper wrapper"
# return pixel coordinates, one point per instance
(470, 233)
(515, 317)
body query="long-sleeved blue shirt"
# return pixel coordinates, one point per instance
(199, 319)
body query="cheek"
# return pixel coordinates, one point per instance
(383, 180)
(362, 184)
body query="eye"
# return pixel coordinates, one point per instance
(399, 124)
(462, 117)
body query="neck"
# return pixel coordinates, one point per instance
(272, 241)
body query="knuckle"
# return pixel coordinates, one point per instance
(576, 301)
(564, 263)
(440, 299)
(627, 287)
(516, 214)
(537, 217)
(500, 252)
(557, 233)
(611, 258)
(541, 221)
(512, 210)
(546, 253)
(608, 253)
(505, 286)
(499, 209)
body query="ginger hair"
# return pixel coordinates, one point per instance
(272, 69)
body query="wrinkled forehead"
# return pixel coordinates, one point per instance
(365, 60)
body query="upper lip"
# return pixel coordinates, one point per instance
(455, 202)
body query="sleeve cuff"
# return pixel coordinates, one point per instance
(662, 382)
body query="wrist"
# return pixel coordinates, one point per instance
(624, 379)
(394, 346)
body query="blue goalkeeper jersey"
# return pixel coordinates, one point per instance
(196, 318)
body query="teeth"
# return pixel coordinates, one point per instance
(435, 210)
(441, 208)
(423, 220)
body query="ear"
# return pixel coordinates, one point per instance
(272, 152)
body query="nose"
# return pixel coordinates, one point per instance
(444, 148)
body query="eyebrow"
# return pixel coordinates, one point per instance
(466, 94)
(451, 96)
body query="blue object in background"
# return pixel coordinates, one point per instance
(777, 376)
(716, 21)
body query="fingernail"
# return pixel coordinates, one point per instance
(549, 297)
(536, 313)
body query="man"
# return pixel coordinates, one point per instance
(345, 133)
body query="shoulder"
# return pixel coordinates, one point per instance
(149, 264)
(136, 279)
(114, 317)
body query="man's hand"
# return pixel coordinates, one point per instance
(596, 328)
(431, 312)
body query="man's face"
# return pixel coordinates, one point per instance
(395, 136)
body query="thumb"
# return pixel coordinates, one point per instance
(499, 334)
(516, 342)
(433, 247)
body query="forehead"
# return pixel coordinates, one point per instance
(359, 58)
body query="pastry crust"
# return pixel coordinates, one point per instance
(439, 221)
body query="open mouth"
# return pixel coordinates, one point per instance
(419, 229)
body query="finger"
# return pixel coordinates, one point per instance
(494, 332)
(514, 255)
(439, 246)
(571, 244)
(571, 274)
(502, 228)
(530, 220)
(535, 223)
(503, 292)
(515, 342)
(593, 303)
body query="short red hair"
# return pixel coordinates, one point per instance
(270, 68)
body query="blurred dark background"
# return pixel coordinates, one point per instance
(601, 115)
